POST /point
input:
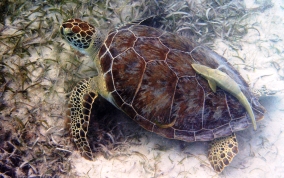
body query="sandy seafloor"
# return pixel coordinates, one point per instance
(261, 152)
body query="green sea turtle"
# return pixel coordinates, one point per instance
(151, 75)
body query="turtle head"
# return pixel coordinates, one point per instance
(82, 36)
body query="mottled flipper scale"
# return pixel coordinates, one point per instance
(222, 151)
(216, 77)
(79, 111)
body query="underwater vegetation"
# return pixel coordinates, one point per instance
(38, 71)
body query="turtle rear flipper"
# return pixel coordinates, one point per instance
(222, 151)
(79, 111)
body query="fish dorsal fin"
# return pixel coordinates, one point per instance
(212, 85)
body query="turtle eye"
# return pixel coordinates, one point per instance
(70, 33)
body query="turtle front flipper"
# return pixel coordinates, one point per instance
(79, 111)
(222, 151)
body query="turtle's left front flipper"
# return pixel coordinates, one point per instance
(222, 151)
(79, 111)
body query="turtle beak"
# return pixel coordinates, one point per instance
(61, 30)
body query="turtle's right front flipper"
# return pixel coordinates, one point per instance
(79, 111)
